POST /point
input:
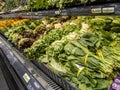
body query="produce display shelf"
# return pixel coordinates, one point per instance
(103, 9)
(34, 75)
(54, 81)
(30, 75)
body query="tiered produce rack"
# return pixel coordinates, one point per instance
(31, 75)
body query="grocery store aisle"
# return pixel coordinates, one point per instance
(3, 84)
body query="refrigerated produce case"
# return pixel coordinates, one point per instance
(19, 72)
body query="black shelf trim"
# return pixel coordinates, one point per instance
(103, 9)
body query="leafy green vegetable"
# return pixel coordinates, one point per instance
(83, 50)
(38, 48)
(46, 4)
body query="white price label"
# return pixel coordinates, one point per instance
(57, 12)
(64, 13)
(36, 13)
(96, 10)
(109, 10)
(26, 77)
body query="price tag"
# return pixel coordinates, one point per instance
(27, 13)
(57, 12)
(64, 13)
(36, 13)
(109, 10)
(96, 10)
(26, 77)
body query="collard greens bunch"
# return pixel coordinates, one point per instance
(88, 57)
